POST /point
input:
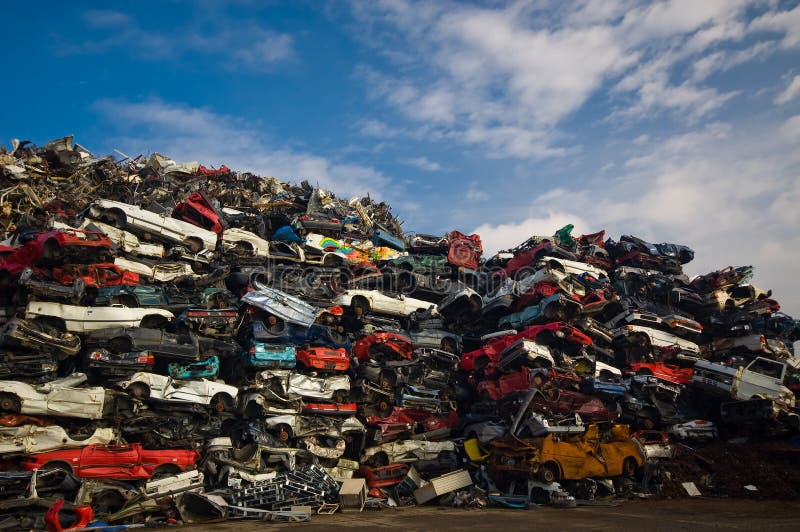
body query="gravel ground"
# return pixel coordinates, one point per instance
(694, 514)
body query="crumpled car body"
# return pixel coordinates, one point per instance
(101, 363)
(159, 227)
(334, 387)
(166, 389)
(156, 341)
(553, 308)
(125, 240)
(463, 250)
(42, 337)
(362, 301)
(57, 245)
(86, 319)
(95, 275)
(26, 439)
(61, 397)
(202, 369)
(668, 372)
(324, 359)
(283, 306)
(262, 355)
(409, 451)
(569, 457)
(116, 461)
(22, 366)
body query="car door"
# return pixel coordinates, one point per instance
(109, 461)
(761, 377)
(187, 391)
(96, 318)
(86, 403)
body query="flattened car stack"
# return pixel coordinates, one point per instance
(187, 343)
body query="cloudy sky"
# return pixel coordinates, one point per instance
(675, 120)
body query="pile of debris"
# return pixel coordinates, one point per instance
(182, 343)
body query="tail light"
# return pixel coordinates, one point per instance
(146, 359)
(336, 311)
(252, 350)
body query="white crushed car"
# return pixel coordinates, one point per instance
(155, 226)
(27, 439)
(125, 240)
(335, 387)
(79, 319)
(150, 386)
(61, 397)
(362, 301)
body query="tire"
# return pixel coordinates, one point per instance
(629, 467)
(116, 218)
(243, 249)
(221, 402)
(331, 261)
(275, 325)
(384, 408)
(538, 380)
(10, 403)
(193, 244)
(380, 459)
(165, 470)
(548, 473)
(555, 266)
(107, 502)
(386, 381)
(139, 390)
(360, 306)
(283, 432)
(340, 396)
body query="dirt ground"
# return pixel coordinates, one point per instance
(694, 514)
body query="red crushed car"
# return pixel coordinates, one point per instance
(198, 211)
(383, 345)
(464, 251)
(667, 372)
(511, 382)
(558, 401)
(487, 356)
(115, 461)
(95, 275)
(324, 358)
(384, 476)
(58, 246)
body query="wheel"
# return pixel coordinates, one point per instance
(193, 245)
(10, 403)
(548, 473)
(380, 459)
(275, 325)
(165, 470)
(629, 467)
(360, 306)
(116, 218)
(243, 249)
(221, 403)
(107, 501)
(139, 390)
(340, 396)
(83, 432)
(331, 261)
(284, 432)
(538, 380)
(384, 408)
(121, 344)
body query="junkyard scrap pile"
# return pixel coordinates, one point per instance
(182, 343)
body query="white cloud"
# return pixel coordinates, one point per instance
(186, 133)
(790, 93)
(505, 77)
(790, 130)
(784, 22)
(424, 163)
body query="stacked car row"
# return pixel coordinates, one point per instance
(205, 329)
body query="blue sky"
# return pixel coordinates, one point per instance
(675, 120)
